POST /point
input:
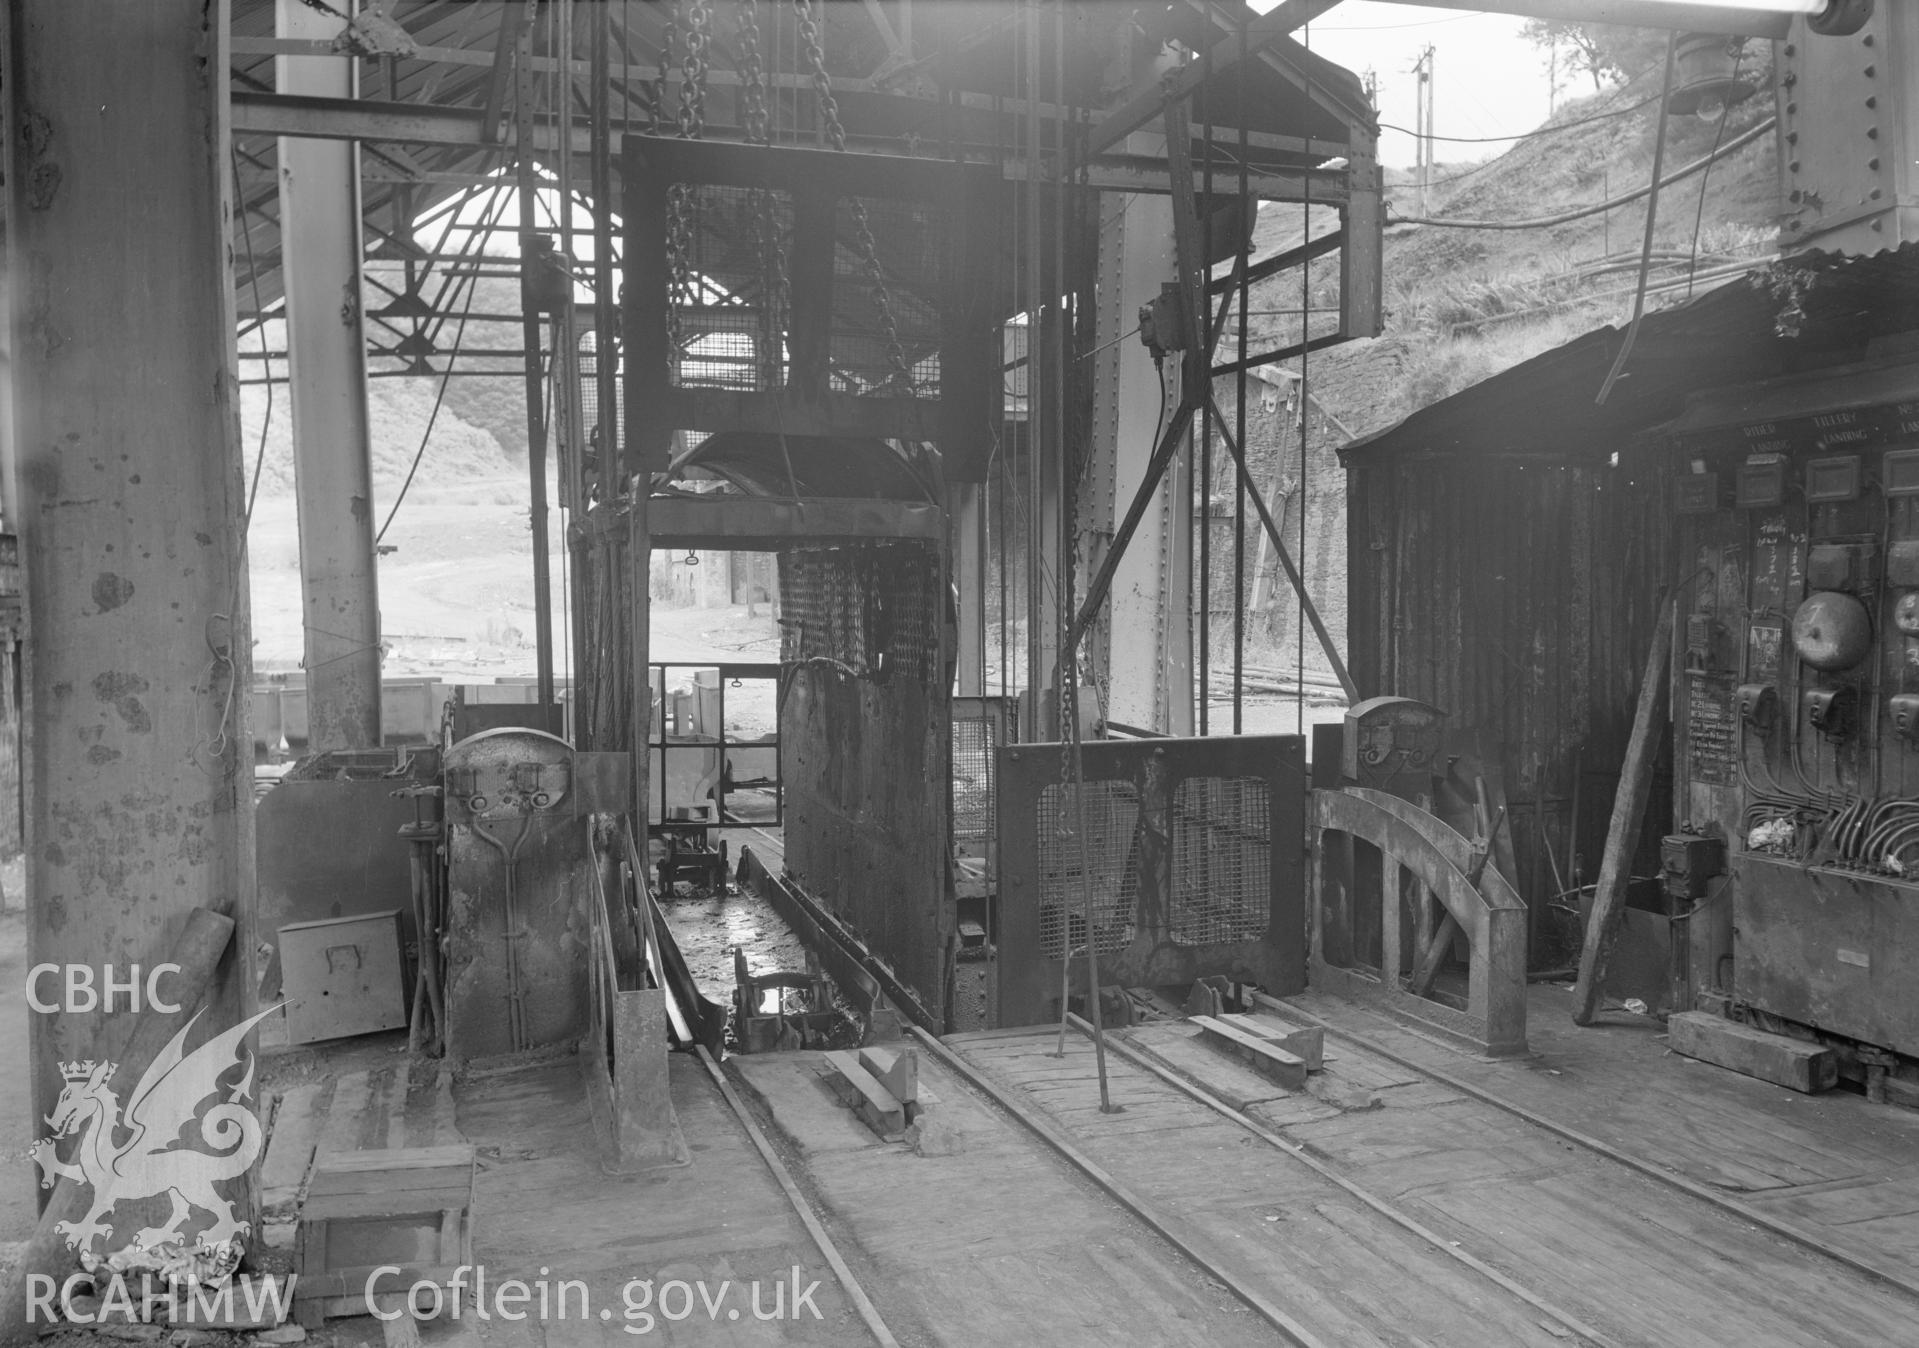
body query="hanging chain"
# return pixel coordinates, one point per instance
(902, 375)
(753, 102)
(669, 39)
(766, 230)
(693, 66)
(694, 20)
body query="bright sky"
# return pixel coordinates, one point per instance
(1487, 80)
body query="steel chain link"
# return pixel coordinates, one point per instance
(767, 233)
(694, 19)
(902, 374)
(753, 102)
(693, 66)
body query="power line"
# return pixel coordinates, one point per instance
(1567, 217)
(1525, 135)
(1718, 134)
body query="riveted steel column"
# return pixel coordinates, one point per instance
(140, 773)
(332, 446)
(1145, 644)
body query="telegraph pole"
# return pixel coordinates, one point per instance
(1423, 122)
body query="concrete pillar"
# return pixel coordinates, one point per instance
(332, 448)
(1144, 645)
(130, 468)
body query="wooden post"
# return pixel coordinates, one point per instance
(1628, 812)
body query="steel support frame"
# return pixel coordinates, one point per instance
(332, 440)
(1143, 652)
(139, 767)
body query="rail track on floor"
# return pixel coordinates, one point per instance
(1169, 1228)
(1010, 1069)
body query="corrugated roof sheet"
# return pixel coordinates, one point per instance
(1806, 312)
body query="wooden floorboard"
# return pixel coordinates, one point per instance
(1637, 1259)
(1617, 1081)
(1344, 1272)
(1000, 1243)
(545, 1202)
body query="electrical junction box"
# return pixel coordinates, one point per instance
(1905, 716)
(1902, 563)
(1689, 861)
(1760, 482)
(343, 976)
(1899, 473)
(1835, 479)
(1697, 493)
(1843, 566)
(1833, 711)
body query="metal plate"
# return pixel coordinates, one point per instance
(518, 884)
(1195, 852)
(1832, 950)
(343, 976)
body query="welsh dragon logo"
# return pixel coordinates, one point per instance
(145, 1152)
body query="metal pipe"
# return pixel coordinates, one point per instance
(527, 183)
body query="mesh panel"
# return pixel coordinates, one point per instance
(598, 428)
(728, 309)
(1222, 860)
(730, 251)
(876, 610)
(1105, 854)
(907, 251)
(975, 740)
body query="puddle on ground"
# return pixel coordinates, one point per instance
(708, 926)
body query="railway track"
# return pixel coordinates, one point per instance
(1570, 1327)
(1458, 1261)
(1327, 1204)
(862, 1303)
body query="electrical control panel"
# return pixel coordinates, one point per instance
(1795, 685)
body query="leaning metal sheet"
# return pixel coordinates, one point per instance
(1193, 853)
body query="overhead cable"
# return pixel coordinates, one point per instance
(1567, 217)
(1525, 135)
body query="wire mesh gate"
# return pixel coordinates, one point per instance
(1195, 852)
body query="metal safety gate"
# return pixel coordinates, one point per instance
(1195, 853)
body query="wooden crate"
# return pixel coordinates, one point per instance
(410, 1207)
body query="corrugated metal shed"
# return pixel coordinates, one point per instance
(1505, 566)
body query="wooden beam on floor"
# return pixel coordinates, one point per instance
(1628, 815)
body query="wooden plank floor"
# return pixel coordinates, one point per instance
(1000, 1244)
(1347, 1274)
(545, 1207)
(1844, 1169)
(1635, 1258)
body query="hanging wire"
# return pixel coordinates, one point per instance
(1652, 216)
(1718, 134)
(467, 249)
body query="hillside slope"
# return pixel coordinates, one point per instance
(1462, 304)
